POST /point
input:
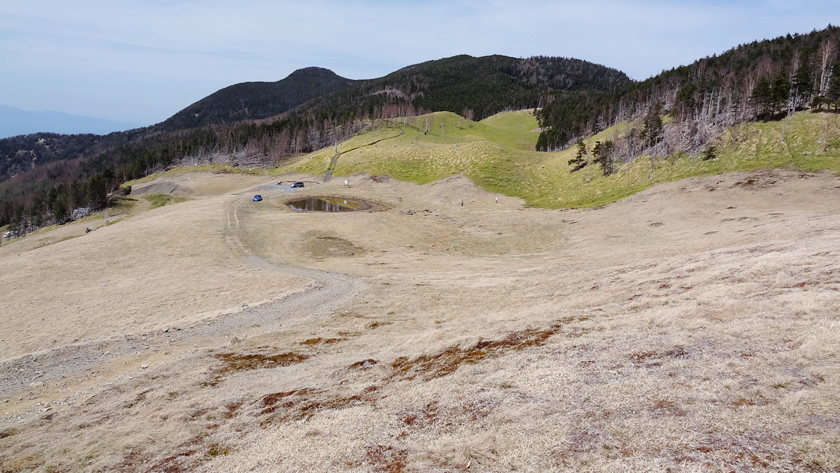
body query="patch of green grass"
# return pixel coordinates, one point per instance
(159, 200)
(518, 130)
(114, 221)
(123, 204)
(215, 450)
(69, 237)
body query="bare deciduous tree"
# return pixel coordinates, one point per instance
(827, 51)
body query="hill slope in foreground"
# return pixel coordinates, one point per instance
(690, 326)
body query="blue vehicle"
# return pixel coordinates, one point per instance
(257, 198)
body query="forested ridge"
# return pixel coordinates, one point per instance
(247, 124)
(256, 100)
(762, 80)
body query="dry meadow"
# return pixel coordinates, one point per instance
(692, 327)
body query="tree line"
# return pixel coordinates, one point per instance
(762, 80)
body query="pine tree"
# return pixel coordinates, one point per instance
(803, 82)
(762, 97)
(781, 92)
(832, 95)
(653, 127)
(578, 161)
(602, 154)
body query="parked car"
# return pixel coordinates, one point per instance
(297, 184)
(257, 198)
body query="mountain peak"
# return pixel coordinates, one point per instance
(257, 100)
(312, 72)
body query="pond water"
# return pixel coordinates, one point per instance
(328, 204)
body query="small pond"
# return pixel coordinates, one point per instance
(328, 204)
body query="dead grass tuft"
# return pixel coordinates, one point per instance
(419, 418)
(342, 337)
(173, 463)
(450, 359)
(233, 363)
(363, 365)
(655, 358)
(668, 408)
(176, 463)
(8, 432)
(304, 403)
(383, 458)
(269, 400)
(231, 408)
(137, 399)
(215, 450)
(375, 325)
(347, 334)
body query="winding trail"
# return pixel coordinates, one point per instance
(334, 159)
(322, 297)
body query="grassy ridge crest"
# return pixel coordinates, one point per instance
(497, 153)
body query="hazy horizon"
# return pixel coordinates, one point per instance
(104, 59)
(15, 121)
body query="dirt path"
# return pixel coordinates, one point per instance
(322, 296)
(334, 160)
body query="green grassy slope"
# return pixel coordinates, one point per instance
(497, 153)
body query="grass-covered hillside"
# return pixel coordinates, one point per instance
(497, 153)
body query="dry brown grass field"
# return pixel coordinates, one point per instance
(690, 328)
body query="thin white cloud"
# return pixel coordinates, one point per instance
(143, 60)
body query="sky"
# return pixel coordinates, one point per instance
(141, 61)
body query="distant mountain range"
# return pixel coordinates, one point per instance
(14, 122)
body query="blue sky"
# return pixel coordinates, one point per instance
(140, 61)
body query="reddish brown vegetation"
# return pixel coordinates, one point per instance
(383, 458)
(180, 461)
(421, 417)
(363, 365)
(234, 362)
(304, 403)
(654, 358)
(375, 325)
(447, 361)
(668, 407)
(231, 409)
